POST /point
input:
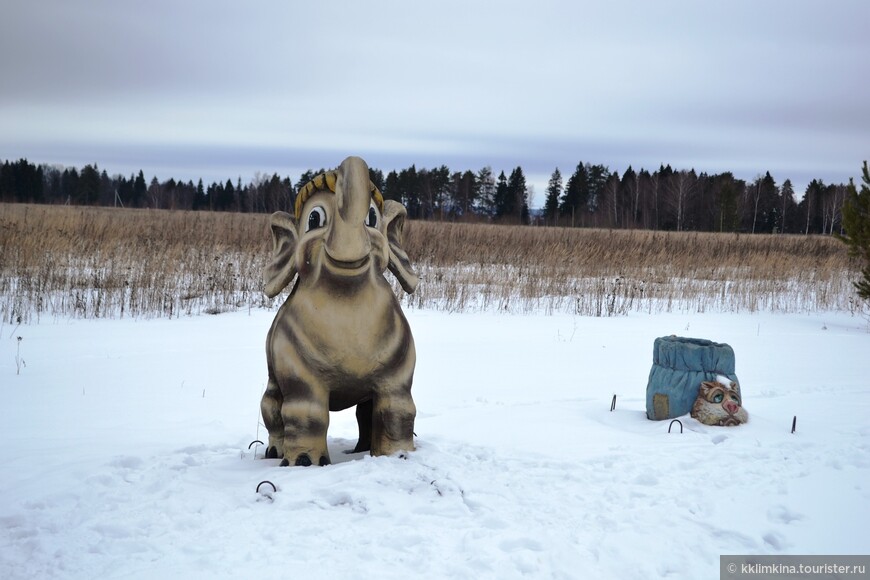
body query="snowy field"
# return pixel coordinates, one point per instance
(125, 454)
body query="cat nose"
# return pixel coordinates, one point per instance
(730, 406)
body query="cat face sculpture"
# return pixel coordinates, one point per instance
(720, 404)
(340, 339)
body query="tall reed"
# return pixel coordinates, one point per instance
(104, 262)
(607, 272)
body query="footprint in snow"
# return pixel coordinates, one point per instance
(782, 515)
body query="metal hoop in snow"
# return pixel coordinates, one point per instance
(255, 441)
(672, 424)
(274, 489)
(613, 404)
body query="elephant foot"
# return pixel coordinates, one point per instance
(393, 425)
(361, 446)
(271, 453)
(303, 460)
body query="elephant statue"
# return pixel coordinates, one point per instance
(340, 339)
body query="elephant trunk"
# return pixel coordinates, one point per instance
(348, 241)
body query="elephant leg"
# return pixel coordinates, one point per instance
(393, 423)
(270, 407)
(364, 421)
(305, 424)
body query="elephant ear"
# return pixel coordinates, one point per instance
(400, 265)
(282, 269)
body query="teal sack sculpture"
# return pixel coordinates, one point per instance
(680, 365)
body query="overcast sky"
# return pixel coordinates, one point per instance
(226, 89)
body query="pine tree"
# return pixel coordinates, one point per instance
(856, 221)
(21, 182)
(575, 200)
(139, 190)
(788, 204)
(766, 214)
(228, 195)
(725, 199)
(69, 183)
(439, 184)
(502, 195)
(596, 179)
(485, 185)
(554, 192)
(391, 187)
(200, 201)
(467, 192)
(107, 189)
(409, 186)
(517, 201)
(629, 197)
(154, 194)
(88, 187)
(811, 207)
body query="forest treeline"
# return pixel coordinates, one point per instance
(591, 196)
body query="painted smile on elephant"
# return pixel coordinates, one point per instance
(340, 339)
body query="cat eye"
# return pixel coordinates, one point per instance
(735, 399)
(718, 397)
(316, 219)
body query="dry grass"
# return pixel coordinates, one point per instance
(102, 262)
(607, 272)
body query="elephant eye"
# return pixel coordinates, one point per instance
(316, 219)
(717, 398)
(372, 217)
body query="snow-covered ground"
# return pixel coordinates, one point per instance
(125, 454)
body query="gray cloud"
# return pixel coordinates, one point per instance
(225, 88)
